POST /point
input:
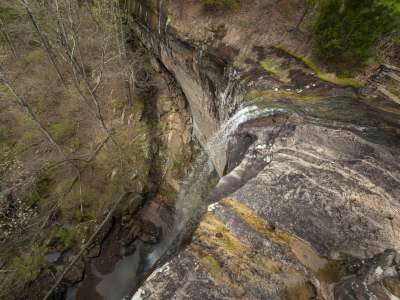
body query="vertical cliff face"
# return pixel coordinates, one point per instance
(309, 169)
(209, 81)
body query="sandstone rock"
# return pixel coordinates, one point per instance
(275, 224)
(369, 276)
(310, 174)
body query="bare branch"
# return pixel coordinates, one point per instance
(22, 103)
(8, 39)
(43, 39)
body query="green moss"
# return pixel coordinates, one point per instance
(177, 167)
(214, 242)
(4, 135)
(139, 146)
(220, 3)
(101, 160)
(35, 55)
(274, 67)
(42, 186)
(3, 89)
(212, 183)
(29, 135)
(211, 225)
(213, 267)
(62, 130)
(324, 269)
(62, 185)
(33, 199)
(170, 20)
(328, 77)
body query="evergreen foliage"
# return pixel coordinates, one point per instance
(346, 31)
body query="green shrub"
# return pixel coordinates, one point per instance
(35, 55)
(67, 237)
(62, 130)
(6, 13)
(26, 267)
(220, 3)
(346, 31)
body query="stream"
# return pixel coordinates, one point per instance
(125, 275)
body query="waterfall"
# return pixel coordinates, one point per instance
(192, 202)
(191, 199)
(216, 146)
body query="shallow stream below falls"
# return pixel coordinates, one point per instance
(114, 278)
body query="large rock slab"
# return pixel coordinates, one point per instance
(302, 202)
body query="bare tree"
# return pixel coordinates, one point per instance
(25, 106)
(7, 38)
(43, 39)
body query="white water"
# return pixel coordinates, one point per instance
(190, 201)
(217, 145)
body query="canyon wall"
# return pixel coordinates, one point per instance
(308, 204)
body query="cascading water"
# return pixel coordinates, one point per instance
(216, 147)
(189, 202)
(192, 201)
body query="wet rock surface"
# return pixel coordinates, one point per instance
(308, 200)
(315, 198)
(116, 261)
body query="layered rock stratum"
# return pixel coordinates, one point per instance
(307, 206)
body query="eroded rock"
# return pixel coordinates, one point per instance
(369, 278)
(310, 174)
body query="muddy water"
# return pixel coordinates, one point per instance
(112, 276)
(117, 284)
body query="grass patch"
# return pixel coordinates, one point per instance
(220, 4)
(35, 55)
(324, 76)
(274, 67)
(62, 130)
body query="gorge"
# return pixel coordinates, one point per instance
(268, 178)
